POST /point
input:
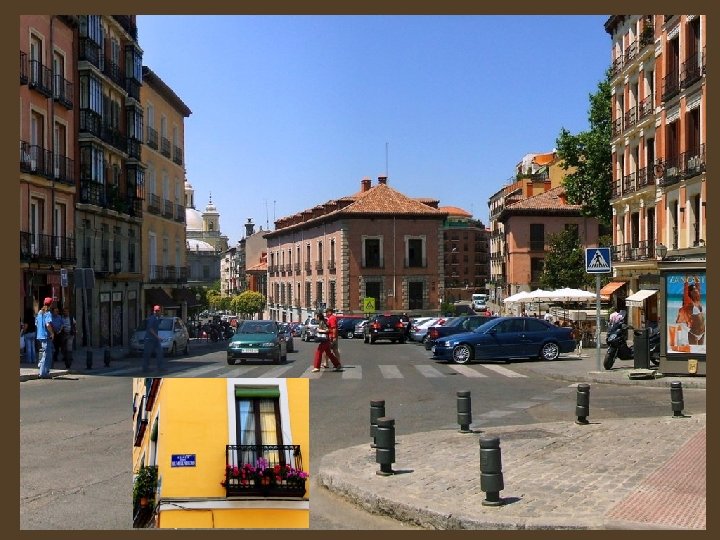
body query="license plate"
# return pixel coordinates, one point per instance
(249, 351)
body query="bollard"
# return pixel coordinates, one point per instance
(88, 359)
(582, 410)
(106, 357)
(377, 410)
(676, 399)
(491, 477)
(385, 449)
(464, 410)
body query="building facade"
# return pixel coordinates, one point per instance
(48, 159)
(377, 243)
(659, 152)
(221, 453)
(205, 243)
(467, 263)
(164, 262)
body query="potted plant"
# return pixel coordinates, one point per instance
(144, 486)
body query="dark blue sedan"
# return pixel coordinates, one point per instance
(506, 338)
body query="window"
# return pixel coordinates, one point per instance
(131, 250)
(537, 266)
(573, 228)
(117, 247)
(319, 292)
(308, 294)
(372, 290)
(372, 252)
(320, 252)
(537, 236)
(415, 252)
(105, 249)
(331, 294)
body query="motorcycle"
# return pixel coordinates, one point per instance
(617, 346)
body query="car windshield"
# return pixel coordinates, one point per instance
(165, 324)
(258, 327)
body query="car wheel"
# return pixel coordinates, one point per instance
(550, 351)
(402, 341)
(350, 335)
(424, 339)
(462, 354)
(231, 361)
(283, 359)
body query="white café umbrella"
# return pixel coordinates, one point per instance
(567, 294)
(540, 295)
(517, 298)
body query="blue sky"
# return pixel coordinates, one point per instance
(291, 111)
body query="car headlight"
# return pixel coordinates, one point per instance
(235, 345)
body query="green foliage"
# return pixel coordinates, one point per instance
(447, 307)
(589, 152)
(145, 484)
(565, 262)
(213, 298)
(248, 303)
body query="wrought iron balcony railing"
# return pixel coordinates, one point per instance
(691, 71)
(63, 91)
(671, 86)
(23, 68)
(152, 138)
(165, 147)
(267, 470)
(47, 248)
(41, 78)
(178, 155)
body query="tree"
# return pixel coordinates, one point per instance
(248, 303)
(565, 262)
(589, 152)
(213, 298)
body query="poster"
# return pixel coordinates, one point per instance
(685, 312)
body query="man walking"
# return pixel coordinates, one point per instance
(152, 341)
(333, 334)
(45, 336)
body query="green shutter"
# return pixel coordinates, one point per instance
(154, 434)
(251, 392)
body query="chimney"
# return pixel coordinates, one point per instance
(249, 227)
(365, 184)
(382, 179)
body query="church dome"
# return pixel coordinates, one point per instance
(193, 220)
(199, 245)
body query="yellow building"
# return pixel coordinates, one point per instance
(221, 453)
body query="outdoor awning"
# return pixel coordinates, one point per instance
(637, 299)
(159, 297)
(611, 287)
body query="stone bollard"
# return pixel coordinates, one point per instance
(88, 359)
(676, 399)
(464, 410)
(491, 477)
(582, 410)
(385, 445)
(377, 410)
(106, 357)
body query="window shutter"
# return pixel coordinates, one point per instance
(256, 392)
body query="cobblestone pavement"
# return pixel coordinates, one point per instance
(639, 473)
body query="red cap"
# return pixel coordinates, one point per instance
(157, 308)
(47, 301)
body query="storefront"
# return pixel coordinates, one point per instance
(683, 303)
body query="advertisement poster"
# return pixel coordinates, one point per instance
(685, 316)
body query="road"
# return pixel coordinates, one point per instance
(419, 392)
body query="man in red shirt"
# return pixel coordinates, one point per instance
(332, 332)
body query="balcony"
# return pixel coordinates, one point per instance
(617, 66)
(645, 107)
(47, 248)
(267, 470)
(179, 213)
(114, 136)
(670, 172)
(319, 267)
(168, 209)
(617, 127)
(113, 72)
(331, 266)
(308, 267)
(629, 184)
(128, 25)
(643, 178)
(297, 268)
(89, 52)
(41, 78)
(178, 155)
(671, 86)
(692, 71)
(692, 162)
(165, 147)
(636, 251)
(41, 162)
(152, 138)
(63, 92)
(630, 117)
(134, 147)
(647, 37)
(616, 189)
(632, 51)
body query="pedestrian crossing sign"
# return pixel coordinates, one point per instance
(369, 304)
(597, 260)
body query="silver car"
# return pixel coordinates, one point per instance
(173, 334)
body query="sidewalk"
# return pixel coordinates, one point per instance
(637, 473)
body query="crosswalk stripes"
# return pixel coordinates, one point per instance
(467, 371)
(390, 372)
(277, 371)
(354, 372)
(503, 371)
(429, 371)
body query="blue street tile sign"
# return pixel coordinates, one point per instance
(597, 260)
(182, 460)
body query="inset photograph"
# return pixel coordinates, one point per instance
(221, 453)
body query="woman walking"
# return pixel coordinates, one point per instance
(324, 345)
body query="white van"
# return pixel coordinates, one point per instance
(479, 302)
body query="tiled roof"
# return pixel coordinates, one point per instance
(455, 211)
(260, 267)
(551, 199)
(382, 199)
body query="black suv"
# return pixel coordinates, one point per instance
(384, 327)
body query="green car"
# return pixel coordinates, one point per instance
(257, 339)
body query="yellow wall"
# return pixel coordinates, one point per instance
(228, 519)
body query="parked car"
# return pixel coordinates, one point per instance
(384, 327)
(309, 330)
(257, 340)
(506, 338)
(419, 333)
(414, 325)
(174, 336)
(286, 330)
(360, 329)
(346, 325)
(458, 325)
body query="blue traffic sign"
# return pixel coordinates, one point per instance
(182, 460)
(597, 260)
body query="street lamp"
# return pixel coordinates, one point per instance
(661, 250)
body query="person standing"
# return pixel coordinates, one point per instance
(333, 335)
(45, 335)
(29, 334)
(59, 336)
(68, 332)
(324, 345)
(152, 341)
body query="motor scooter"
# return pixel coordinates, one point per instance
(617, 346)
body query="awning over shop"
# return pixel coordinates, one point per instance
(610, 288)
(159, 297)
(637, 299)
(185, 295)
